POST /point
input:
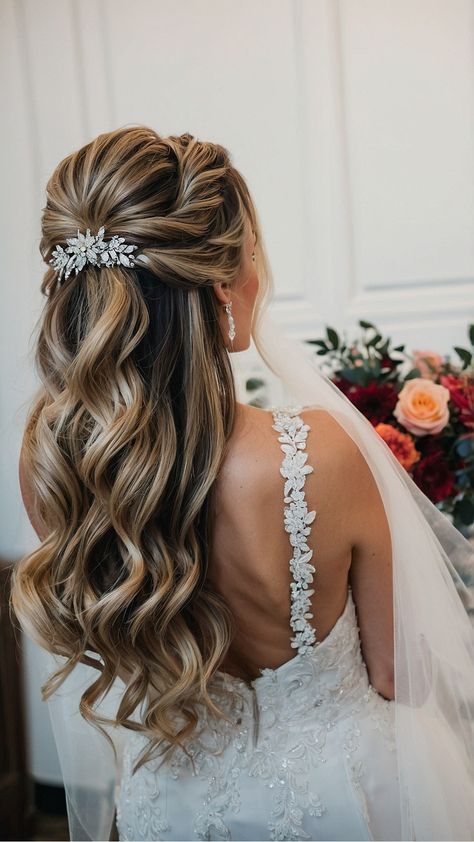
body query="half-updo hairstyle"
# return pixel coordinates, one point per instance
(126, 436)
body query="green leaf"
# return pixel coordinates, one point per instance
(376, 368)
(333, 337)
(399, 348)
(353, 375)
(415, 372)
(321, 342)
(254, 383)
(323, 351)
(366, 325)
(471, 334)
(465, 355)
(374, 339)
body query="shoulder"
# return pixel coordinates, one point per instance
(325, 425)
(330, 446)
(254, 454)
(342, 463)
(254, 426)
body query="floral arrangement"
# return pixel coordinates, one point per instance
(421, 404)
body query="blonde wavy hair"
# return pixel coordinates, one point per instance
(126, 436)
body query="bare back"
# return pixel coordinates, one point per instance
(250, 549)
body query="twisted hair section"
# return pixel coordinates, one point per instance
(128, 430)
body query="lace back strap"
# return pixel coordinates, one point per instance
(293, 435)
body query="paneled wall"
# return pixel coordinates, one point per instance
(352, 121)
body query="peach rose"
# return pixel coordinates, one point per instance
(424, 359)
(422, 407)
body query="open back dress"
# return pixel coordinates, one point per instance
(309, 749)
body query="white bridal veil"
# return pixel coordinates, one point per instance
(434, 644)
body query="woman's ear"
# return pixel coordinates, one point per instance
(222, 292)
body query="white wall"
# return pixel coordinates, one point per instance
(352, 121)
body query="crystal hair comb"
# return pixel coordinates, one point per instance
(94, 250)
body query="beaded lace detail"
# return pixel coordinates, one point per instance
(293, 435)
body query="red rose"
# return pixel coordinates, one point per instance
(433, 476)
(461, 393)
(375, 401)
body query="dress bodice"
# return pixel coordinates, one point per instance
(327, 676)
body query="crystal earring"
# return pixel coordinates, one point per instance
(228, 309)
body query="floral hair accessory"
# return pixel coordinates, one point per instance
(87, 248)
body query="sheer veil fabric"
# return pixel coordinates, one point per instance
(434, 644)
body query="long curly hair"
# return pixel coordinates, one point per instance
(127, 433)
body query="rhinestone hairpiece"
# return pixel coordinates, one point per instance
(87, 248)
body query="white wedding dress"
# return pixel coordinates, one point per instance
(320, 762)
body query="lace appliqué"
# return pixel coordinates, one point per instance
(223, 791)
(144, 792)
(218, 749)
(293, 435)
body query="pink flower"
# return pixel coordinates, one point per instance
(422, 407)
(428, 362)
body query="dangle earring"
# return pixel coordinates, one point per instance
(228, 309)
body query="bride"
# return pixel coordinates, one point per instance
(256, 622)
